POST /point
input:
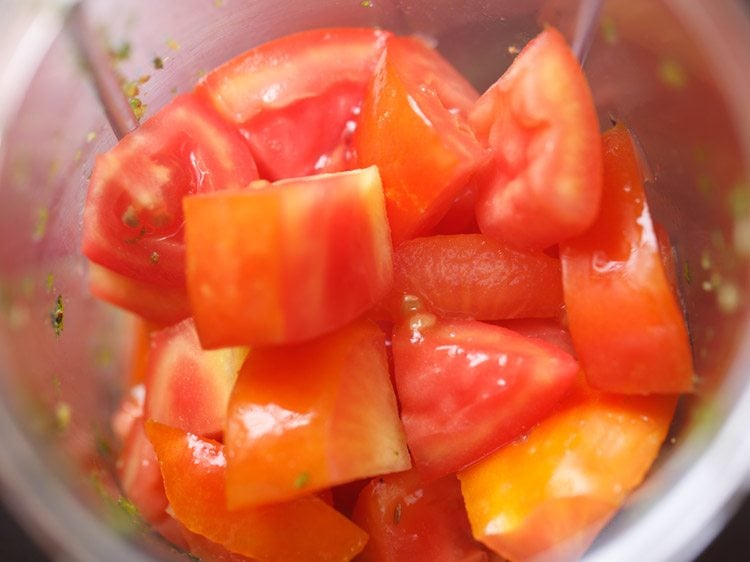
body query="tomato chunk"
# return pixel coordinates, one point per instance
(188, 387)
(413, 127)
(296, 99)
(555, 489)
(476, 276)
(133, 217)
(295, 259)
(544, 184)
(624, 318)
(410, 519)
(467, 388)
(307, 417)
(303, 530)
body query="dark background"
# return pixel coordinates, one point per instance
(733, 545)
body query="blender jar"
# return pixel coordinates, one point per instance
(674, 70)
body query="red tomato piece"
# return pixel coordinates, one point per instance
(473, 275)
(624, 318)
(318, 257)
(296, 99)
(544, 184)
(303, 530)
(308, 417)
(161, 306)
(206, 550)
(545, 329)
(413, 127)
(461, 218)
(133, 219)
(410, 519)
(188, 387)
(553, 491)
(467, 388)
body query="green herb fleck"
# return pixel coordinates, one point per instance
(50, 283)
(739, 200)
(40, 227)
(173, 45)
(57, 316)
(686, 273)
(302, 480)
(138, 107)
(397, 514)
(102, 445)
(609, 31)
(128, 507)
(672, 74)
(366, 3)
(90, 136)
(158, 63)
(63, 416)
(122, 52)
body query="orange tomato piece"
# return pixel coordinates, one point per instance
(303, 530)
(557, 487)
(307, 417)
(413, 127)
(289, 261)
(624, 318)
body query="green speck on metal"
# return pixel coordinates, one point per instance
(102, 445)
(49, 283)
(63, 416)
(158, 63)
(672, 74)
(609, 30)
(128, 507)
(57, 316)
(302, 480)
(739, 200)
(122, 52)
(686, 273)
(40, 226)
(366, 3)
(138, 107)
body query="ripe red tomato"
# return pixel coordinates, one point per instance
(467, 388)
(305, 418)
(544, 183)
(623, 315)
(296, 99)
(473, 275)
(413, 127)
(303, 530)
(295, 259)
(410, 519)
(133, 219)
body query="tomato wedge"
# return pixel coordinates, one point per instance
(624, 318)
(133, 219)
(303, 530)
(296, 99)
(308, 417)
(473, 275)
(554, 490)
(413, 127)
(410, 519)
(295, 259)
(467, 388)
(188, 387)
(544, 184)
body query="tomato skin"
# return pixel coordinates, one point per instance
(413, 127)
(473, 275)
(133, 219)
(319, 256)
(188, 387)
(303, 530)
(307, 417)
(623, 315)
(410, 519)
(298, 122)
(553, 491)
(544, 184)
(467, 388)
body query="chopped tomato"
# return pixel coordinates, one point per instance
(129, 411)
(208, 551)
(308, 417)
(296, 99)
(624, 318)
(303, 530)
(460, 218)
(413, 127)
(555, 489)
(187, 386)
(294, 260)
(142, 332)
(410, 519)
(551, 331)
(475, 276)
(160, 306)
(544, 183)
(467, 388)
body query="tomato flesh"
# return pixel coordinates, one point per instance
(544, 183)
(303, 530)
(318, 257)
(282, 443)
(467, 388)
(624, 318)
(413, 127)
